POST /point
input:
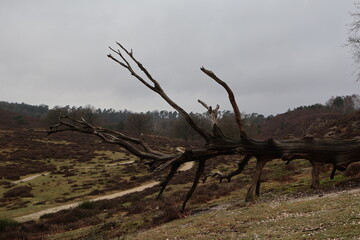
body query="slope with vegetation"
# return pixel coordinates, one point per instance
(85, 168)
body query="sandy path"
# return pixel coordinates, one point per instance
(31, 177)
(186, 166)
(37, 215)
(122, 193)
(121, 163)
(109, 165)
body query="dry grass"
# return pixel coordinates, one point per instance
(332, 216)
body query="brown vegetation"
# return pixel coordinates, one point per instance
(23, 191)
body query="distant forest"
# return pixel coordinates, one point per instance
(165, 123)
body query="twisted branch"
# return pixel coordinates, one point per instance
(156, 87)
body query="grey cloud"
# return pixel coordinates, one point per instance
(274, 54)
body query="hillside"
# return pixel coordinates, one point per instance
(345, 127)
(297, 123)
(324, 216)
(40, 173)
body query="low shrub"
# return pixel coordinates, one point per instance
(10, 229)
(34, 227)
(87, 205)
(168, 214)
(280, 174)
(353, 170)
(136, 207)
(96, 192)
(23, 191)
(8, 224)
(13, 235)
(71, 216)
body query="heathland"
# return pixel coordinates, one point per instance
(41, 174)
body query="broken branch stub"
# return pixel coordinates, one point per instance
(231, 99)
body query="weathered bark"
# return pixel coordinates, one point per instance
(319, 151)
(170, 175)
(255, 182)
(199, 172)
(315, 175)
(240, 169)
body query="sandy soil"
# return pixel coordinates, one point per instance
(37, 215)
(121, 163)
(186, 166)
(31, 177)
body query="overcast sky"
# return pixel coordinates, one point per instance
(274, 54)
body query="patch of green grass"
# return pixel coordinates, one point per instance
(337, 178)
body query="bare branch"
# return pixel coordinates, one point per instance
(170, 175)
(332, 175)
(148, 75)
(212, 113)
(239, 170)
(113, 137)
(215, 174)
(231, 98)
(128, 67)
(199, 172)
(156, 88)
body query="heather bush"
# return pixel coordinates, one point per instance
(7, 224)
(353, 170)
(23, 191)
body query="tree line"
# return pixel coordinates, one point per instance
(166, 123)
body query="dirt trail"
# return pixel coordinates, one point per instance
(31, 177)
(121, 163)
(186, 166)
(34, 216)
(37, 215)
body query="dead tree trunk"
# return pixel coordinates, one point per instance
(338, 153)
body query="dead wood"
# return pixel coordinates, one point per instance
(339, 153)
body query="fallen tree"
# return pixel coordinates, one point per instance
(318, 151)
